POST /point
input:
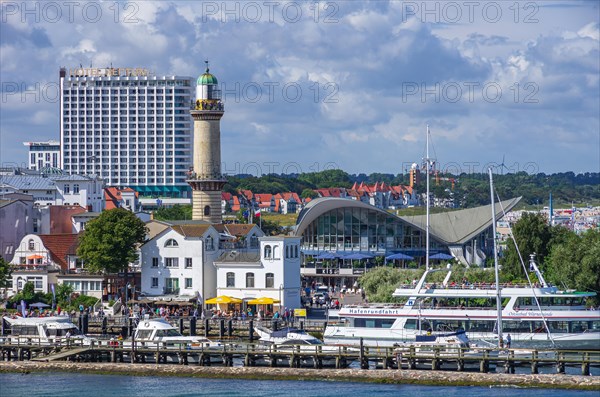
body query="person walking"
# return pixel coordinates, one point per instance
(508, 341)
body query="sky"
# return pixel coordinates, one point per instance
(353, 85)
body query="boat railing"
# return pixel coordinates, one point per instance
(468, 286)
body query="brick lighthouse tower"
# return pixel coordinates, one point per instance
(206, 179)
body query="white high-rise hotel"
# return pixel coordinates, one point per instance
(128, 126)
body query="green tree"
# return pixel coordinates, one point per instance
(174, 213)
(533, 235)
(109, 241)
(381, 282)
(308, 193)
(576, 262)
(5, 273)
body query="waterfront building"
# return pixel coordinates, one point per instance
(340, 227)
(271, 272)
(128, 126)
(121, 198)
(178, 258)
(52, 187)
(41, 258)
(17, 214)
(43, 154)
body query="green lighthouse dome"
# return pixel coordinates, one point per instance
(207, 79)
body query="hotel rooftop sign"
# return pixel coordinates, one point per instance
(108, 72)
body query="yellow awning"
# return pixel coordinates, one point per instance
(263, 301)
(222, 299)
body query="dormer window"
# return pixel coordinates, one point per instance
(171, 243)
(31, 245)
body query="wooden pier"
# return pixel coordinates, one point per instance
(251, 355)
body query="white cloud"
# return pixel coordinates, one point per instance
(369, 52)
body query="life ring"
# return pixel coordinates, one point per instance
(146, 324)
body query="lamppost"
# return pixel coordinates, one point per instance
(280, 301)
(127, 286)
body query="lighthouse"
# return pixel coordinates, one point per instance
(205, 178)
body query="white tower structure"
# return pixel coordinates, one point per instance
(205, 178)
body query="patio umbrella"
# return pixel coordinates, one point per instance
(263, 301)
(222, 299)
(39, 305)
(359, 256)
(325, 255)
(400, 256)
(441, 256)
(35, 257)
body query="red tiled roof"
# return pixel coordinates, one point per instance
(263, 197)
(61, 218)
(247, 193)
(59, 245)
(226, 196)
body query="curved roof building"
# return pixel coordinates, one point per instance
(341, 226)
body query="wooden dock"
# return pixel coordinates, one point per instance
(251, 355)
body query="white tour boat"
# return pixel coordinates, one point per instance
(44, 331)
(561, 321)
(158, 332)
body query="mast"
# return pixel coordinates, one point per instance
(427, 199)
(498, 294)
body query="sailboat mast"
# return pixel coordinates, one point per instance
(498, 294)
(427, 199)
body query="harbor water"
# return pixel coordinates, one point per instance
(58, 384)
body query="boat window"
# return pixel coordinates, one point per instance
(481, 326)
(374, 322)
(558, 326)
(144, 334)
(167, 332)
(25, 330)
(314, 342)
(411, 323)
(516, 326)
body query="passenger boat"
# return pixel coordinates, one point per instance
(158, 332)
(44, 331)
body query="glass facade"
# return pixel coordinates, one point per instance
(364, 230)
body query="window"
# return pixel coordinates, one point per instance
(171, 262)
(230, 279)
(210, 243)
(67, 189)
(276, 252)
(267, 251)
(75, 189)
(31, 245)
(207, 210)
(188, 263)
(269, 280)
(249, 280)
(171, 243)
(287, 251)
(155, 262)
(295, 251)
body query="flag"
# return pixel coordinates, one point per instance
(23, 308)
(245, 214)
(257, 213)
(53, 295)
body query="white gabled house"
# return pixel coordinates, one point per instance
(178, 261)
(273, 272)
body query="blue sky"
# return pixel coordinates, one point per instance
(351, 85)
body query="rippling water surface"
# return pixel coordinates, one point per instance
(55, 384)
